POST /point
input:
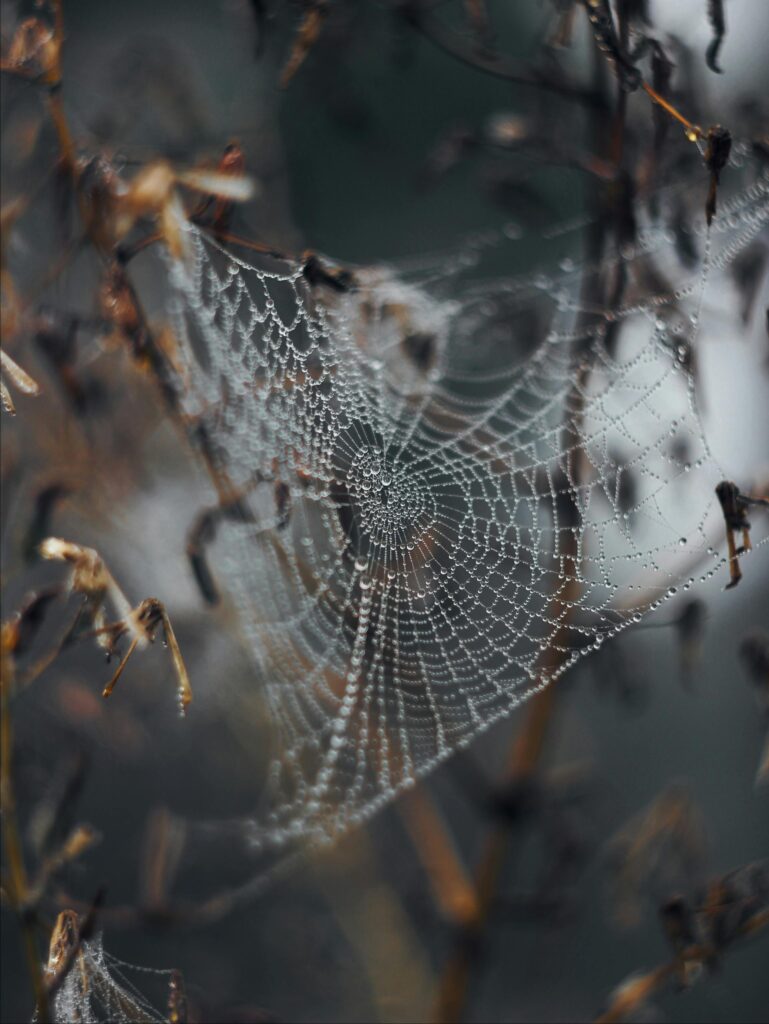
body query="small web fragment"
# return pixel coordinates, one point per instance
(98, 989)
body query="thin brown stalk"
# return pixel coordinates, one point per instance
(451, 888)
(530, 740)
(17, 873)
(693, 131)
(106, 692)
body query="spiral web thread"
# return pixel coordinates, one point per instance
(428, 541)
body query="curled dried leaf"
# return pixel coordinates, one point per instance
(229, 185)
(184, 690)
(20, 379)
(718, 148)
(117, 303)
(660, 848)
(734, 506)
(101, 195)
(150, 188)
(89, 576)
(601, 18)
(33, 51)
(143, 622)
(306, 37)
(80, 839)
(717, 21)
(22, 627)
(64, 937)
(6, 400)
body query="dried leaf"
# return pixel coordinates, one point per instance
(7, 401)
(236, 188)
(662, 847)
(33, 51)
(306, 36)
(601, 19)
(719, 146)
(717, 21)
(20, 379)
(184, 691)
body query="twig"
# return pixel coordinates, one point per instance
(693, 131)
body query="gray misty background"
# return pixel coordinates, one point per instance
(339, 157)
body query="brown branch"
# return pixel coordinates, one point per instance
(529, 743)
(452, 890)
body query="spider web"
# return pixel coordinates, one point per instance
(98, 988)
(431, 526)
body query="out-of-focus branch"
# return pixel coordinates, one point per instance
(17, 874)
(633, 993)
(453, 891)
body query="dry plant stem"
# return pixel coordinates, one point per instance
(306, 37)
(642, 989)
(13, 850)
(636, 994)
(375, 923)
(530, 740)
(119, 671)
(11, 838)
(693, 131)
(525, 754)
(64, 966)
(452, 890)
(55, 105)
